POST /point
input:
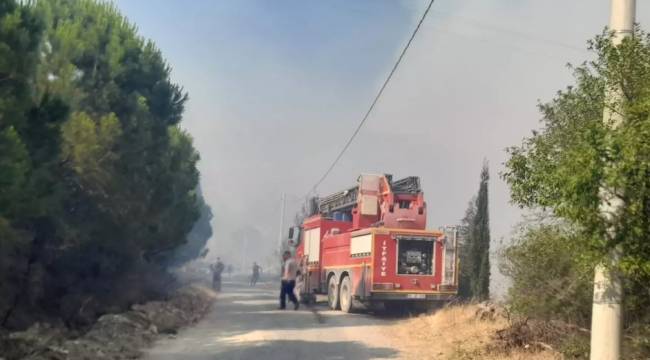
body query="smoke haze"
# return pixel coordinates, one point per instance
(277, 87)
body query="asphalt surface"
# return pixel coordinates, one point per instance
(245, 324)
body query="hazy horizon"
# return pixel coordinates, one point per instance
(276, 88)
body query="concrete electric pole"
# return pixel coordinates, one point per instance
(607, 314)
(281, 235)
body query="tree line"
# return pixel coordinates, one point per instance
(98, 183)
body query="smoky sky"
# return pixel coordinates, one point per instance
(277, 87)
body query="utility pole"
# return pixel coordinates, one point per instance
(245, 253)
(607, 313)
(281, 235)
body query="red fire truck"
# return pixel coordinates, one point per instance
(368, 245)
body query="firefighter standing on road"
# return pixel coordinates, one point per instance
(217, 269)
(256, 274)
(289, 270)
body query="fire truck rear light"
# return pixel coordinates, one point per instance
(386, 286)
(397, 286)
(420, 210)
(434, 286)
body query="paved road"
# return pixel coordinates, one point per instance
(245, 324)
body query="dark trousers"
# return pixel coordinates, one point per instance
(286, 289)
(216, 282)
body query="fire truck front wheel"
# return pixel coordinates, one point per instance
(333, 293)
(346, 295)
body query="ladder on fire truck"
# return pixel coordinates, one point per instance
(346, 199)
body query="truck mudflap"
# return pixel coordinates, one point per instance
(415, 296)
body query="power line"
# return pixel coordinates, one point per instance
(374, 102)
(520, 34)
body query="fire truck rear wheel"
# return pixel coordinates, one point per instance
(333, 293)
(346, 295)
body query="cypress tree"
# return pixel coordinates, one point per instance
(474, 245)
(464, 246)
(480, 241)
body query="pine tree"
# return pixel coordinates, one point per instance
(197, 239)
(97, 178)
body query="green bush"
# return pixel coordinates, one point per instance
(547, 280)
(551, 281)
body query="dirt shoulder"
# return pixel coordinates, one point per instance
(113, 336)
(462, 332)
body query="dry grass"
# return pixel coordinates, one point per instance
(455, 333)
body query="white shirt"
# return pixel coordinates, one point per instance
(290, 269)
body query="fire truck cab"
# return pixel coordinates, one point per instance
(368, 244)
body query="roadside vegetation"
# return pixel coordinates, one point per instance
(556, 176)
(462, 332)
(98, 183)
(559, 172)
